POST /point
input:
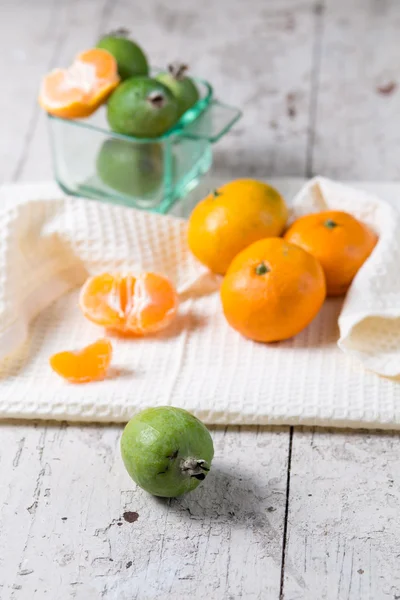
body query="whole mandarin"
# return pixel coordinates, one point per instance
(272, 290)
(233, 217)
(339, 241)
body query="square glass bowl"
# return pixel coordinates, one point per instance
(90, 160)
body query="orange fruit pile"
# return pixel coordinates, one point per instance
(273, 286)
(340, 242)
(82, 366)
(78, 91)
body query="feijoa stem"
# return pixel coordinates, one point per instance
(193, 467)
(262, 269)
(330, 224)
(120, 32)
(156, 99)
(177, 70)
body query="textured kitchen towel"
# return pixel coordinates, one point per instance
(369, 322)
(48, 245)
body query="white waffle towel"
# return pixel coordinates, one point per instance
(48, 245)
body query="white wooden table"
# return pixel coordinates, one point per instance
(294, 514)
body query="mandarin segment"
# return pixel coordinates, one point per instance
(127, 304)
(89, 364)
(153, 304)
(103, 63)
(103, 299)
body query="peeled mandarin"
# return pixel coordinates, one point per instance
(139, 305)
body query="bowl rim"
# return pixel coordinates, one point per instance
(188, 117)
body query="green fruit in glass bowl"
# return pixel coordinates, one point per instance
(182, 87)
(132, 169)
(142, 107)
(166, 451)
(130, 58)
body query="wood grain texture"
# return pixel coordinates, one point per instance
(75, 25)
(343, 523)
(64, 489)
(65, 531)
(357, 130)
(26, 52)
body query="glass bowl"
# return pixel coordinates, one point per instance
(90, 160)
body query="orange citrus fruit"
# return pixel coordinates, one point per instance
(233, 217)
(272, 290)
(89, 364)
(339, 241)
(130, 304)
(78, 91)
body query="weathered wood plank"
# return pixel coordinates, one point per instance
(64, 493)
(77, 24)
(265, 66)
(357, 127)
(76, 472)
(343, 525)
(20, 452)
(31, 36)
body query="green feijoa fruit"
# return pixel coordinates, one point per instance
(167, 451)
(130, 58)
(131, 168)
(182, 87)
(142, 107)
